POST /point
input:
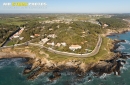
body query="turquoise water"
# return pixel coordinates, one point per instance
(11, 72)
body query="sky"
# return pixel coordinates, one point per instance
(69, 6)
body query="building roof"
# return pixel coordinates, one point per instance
(75, 46)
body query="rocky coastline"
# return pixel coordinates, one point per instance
(36, 65)
(113, 32)
(78, 69)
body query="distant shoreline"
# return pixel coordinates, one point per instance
(113, 32)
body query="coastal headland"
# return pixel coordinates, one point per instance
(53, 43)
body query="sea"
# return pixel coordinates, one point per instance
(11, 71)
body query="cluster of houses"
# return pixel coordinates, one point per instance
(100, 15)
(61, 44)
(45, 41)
(17, 34)
(72, 47)
(66, 21)
(57, 44)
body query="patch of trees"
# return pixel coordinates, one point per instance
(122, 16)
(5, 31)
(113, 22)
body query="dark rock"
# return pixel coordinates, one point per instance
(27, 69)
(124, 53)
(116, 45)
(123, 32)
(123, 61)
(55, 75)
(108, 66)
(89, 78)
(124, 56)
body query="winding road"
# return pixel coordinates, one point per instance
(94, 52)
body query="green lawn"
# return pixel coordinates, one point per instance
(104, 52)
(10, 43)
(12, 22)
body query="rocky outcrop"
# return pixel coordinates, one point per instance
(76, 67)
(108, 66)
(37, 66)
(116, 45)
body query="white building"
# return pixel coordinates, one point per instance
(105, 25)
(58, 44)
(21, 38)
(52, 44)
(52, 36)
(32, 36)
(15, 36)
(44, 40)
(75, 47)
(63, 44)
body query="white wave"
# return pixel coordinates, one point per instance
(10, 62)
(54, 82)
(126, 42)
(122, 63)
(18, 64)
(121, 47)
(124, 68)
(128, 53)
(103, 76)
(4, 63)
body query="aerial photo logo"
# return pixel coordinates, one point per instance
(24, 4)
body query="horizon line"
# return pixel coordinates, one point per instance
(64, 13)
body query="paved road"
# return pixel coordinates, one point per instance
(94, 52)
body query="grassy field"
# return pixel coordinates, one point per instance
(104, 52)
(21, 20)
(11, 21)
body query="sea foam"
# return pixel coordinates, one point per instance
(121, 47)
